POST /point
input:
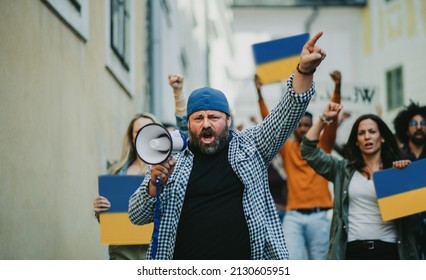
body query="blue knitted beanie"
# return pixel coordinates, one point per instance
(207, 99)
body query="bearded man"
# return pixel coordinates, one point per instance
(215, 198)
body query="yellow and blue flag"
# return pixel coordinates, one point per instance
(115, 226)
(275, 60)
(401, 192)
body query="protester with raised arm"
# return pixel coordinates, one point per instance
(215, 199)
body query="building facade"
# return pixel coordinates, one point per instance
(72, 75)
(375, 44)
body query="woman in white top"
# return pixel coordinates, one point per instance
(357, 230)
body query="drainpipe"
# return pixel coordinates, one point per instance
(154, 57)
(207, 38)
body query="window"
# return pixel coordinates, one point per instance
(394, 88)
(76, 4)
(120, 42)
(74, 13)
(120, 30)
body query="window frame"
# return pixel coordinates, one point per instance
(123, 72)
(122, 48)
(76, 18)
(395, 87)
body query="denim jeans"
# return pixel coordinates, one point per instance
(307, 235)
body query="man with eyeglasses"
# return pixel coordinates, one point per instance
(410, 128)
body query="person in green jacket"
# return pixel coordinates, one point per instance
(357, 230)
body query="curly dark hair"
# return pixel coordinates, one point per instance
(400, 122)
(390, 150)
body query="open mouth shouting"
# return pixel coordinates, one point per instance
(207, 136)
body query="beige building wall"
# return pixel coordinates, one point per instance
(394, 36)
(62, 117)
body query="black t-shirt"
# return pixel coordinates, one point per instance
(212, 224)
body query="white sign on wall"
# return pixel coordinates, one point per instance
(356, 101)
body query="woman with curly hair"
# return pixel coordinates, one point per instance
(410, 128)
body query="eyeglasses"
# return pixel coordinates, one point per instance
(416, 123)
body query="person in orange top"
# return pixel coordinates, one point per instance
(306, 224)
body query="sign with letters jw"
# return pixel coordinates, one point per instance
(115, 226)
(401, 192)
(356, 100)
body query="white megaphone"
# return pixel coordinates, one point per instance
(154, 143)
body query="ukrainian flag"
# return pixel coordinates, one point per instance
(401, 192)
(115, 226)
(275, 60)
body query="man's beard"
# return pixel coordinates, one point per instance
(418, 141)
(220, 140)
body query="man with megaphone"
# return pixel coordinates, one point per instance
(214, 195)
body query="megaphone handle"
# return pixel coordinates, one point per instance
(156, 218)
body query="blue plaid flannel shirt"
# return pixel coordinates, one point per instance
(250, 152)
